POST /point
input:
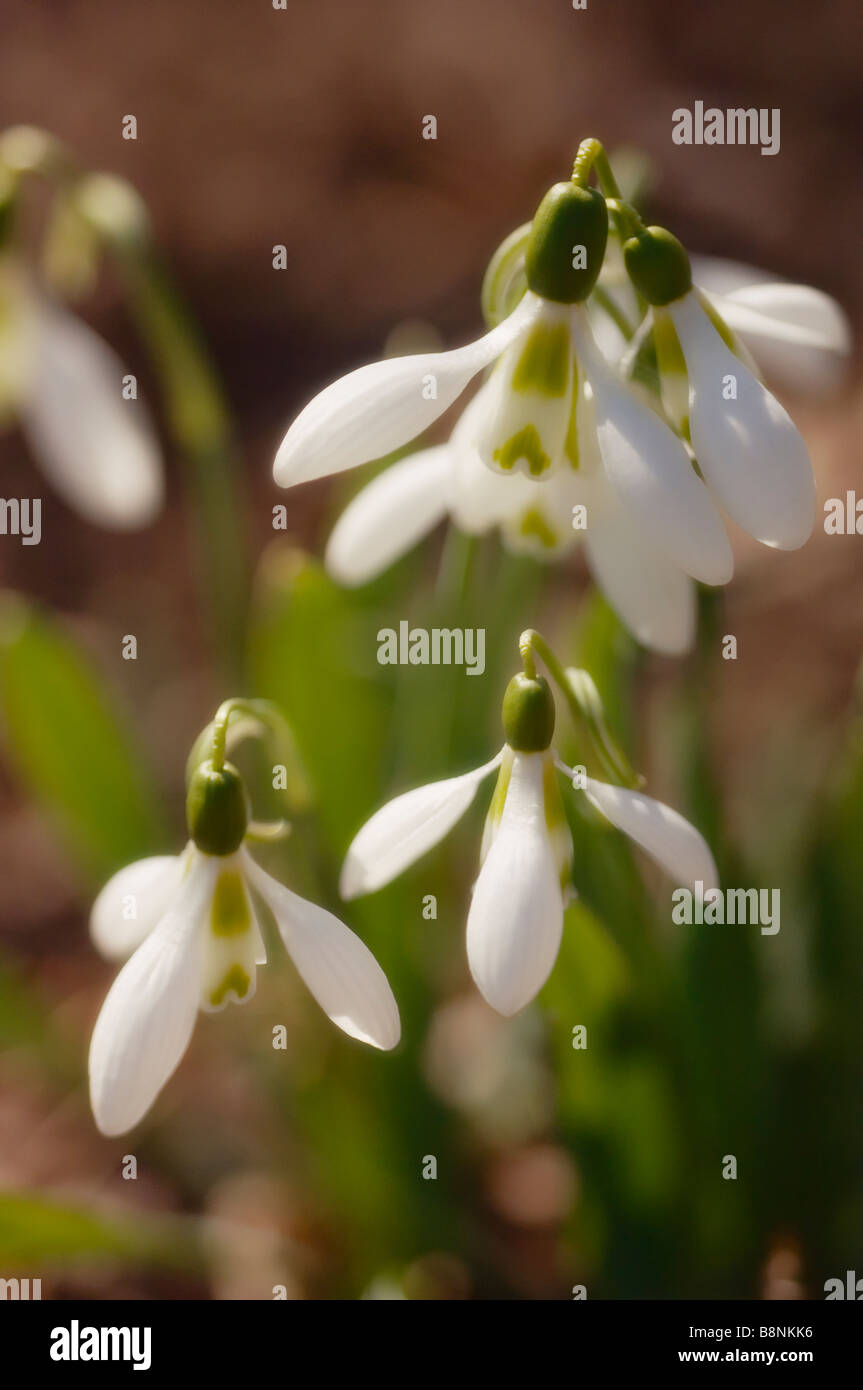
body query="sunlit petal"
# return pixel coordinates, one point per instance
(395, 510)
(516, 914)
(336, 966)
(379, 407)
(747, 446)
(664, 834)
(147, 1019)
(647, 465)
(133, 902)
(403, 830)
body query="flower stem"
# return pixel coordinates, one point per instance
(584, 704)
(590, 156)
(618, 318)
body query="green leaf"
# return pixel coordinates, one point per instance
(68, 746)
(313, 652)
(41, 1234)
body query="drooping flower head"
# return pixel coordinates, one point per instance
(562, 443)
(516, 914)
(189, 926)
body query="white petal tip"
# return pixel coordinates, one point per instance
(352, 880)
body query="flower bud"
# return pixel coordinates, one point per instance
(216, 811)
(657, 265)
(528, 714)
(567, 243)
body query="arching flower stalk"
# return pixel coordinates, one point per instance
(189, 927)
(560, 444)
(515, 920)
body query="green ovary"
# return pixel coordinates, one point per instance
(236, 980)
(525, 444)
(543, 365)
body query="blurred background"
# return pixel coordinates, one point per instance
(303, 1168)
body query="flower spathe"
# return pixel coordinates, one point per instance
(515, 919)
(190, 923)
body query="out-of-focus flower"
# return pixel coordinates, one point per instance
(516, 915)
(191, 923)
(64, 384)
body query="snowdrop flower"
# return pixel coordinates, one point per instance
(652, 595)
(190, 929)
(798, 335)
(747, 447)
(99, 451)
(516, 914)
(531, 419)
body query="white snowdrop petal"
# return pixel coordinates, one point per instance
(664, 834)
(395, 510)
(649, 468)
(516, 914)
(405, 828)
(747, 447)
(799, 335)
(147, 1019)
(381, 406)
(133, 902)
(336, 966)
(98, 450)
(652, 596)
(718, 276)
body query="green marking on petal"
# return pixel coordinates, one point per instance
(236, 981)
(525, 444)
(543, 365)
(533, 524)
(570, 444)
(558, 827)
(229, 914)
(673, 376)
(554, 812)
(501, 787)
(725, 333)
